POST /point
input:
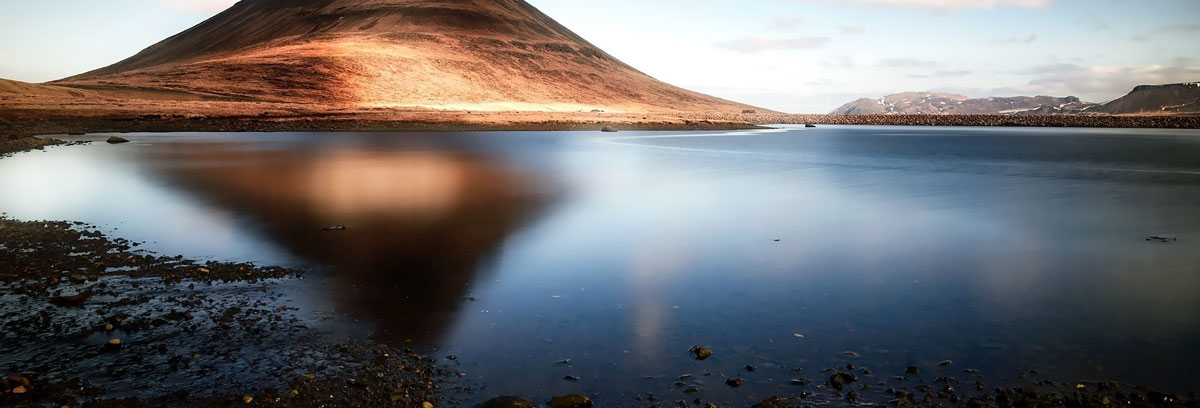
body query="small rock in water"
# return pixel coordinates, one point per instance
(799, 381)
(945, 363)
(571, 378)
(563, 361)
(798, 335)
(117, 140)
(571, 401)
(334, 228)
(426, 404)
(850, 354)
(735, 382)
(1162, 238)
(773, 402)
(507, 402)
(700, 352)
(608, 129)
(247, 399)
(839, 380)
(19, 390)
(912, 370)
(70, 301)
(751, 367)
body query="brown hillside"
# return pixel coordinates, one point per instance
(1157, 99)
(483, 55)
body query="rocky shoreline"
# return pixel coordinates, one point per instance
(91, 320)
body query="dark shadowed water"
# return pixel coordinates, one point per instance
(1003, 250)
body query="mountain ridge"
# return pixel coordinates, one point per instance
(934, 103)
(1179, 98)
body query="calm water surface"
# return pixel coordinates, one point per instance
(1002, 250)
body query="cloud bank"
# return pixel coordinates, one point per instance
(756, 44)
(197, 6)
(948, 4)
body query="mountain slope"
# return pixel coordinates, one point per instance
(931, 103)
(489, 55)
(1171, 98)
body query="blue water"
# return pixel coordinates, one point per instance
(1003, 250)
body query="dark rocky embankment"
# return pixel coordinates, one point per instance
(90, 320)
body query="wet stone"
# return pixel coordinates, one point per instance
(839, 380)
(571, 401)
(508, 402)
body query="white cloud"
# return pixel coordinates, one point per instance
(1102, 83)
(952, 4)
(906, 63)
(197, 6)
(756, 44)
(788, 23)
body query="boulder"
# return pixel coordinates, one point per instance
(117, 140)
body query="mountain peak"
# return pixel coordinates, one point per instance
(486, 55)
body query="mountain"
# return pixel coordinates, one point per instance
(483, 55)
(1171, 98)
(952, 104)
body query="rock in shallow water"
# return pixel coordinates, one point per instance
(117, 140)
(571, 401)
(507, 402)
(700, 352)
(839, 380)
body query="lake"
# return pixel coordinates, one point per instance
(1002, 250)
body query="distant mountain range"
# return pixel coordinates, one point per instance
(1145, 99)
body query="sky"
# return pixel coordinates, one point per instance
(805, 56)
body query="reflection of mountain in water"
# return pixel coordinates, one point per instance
(418, 222)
